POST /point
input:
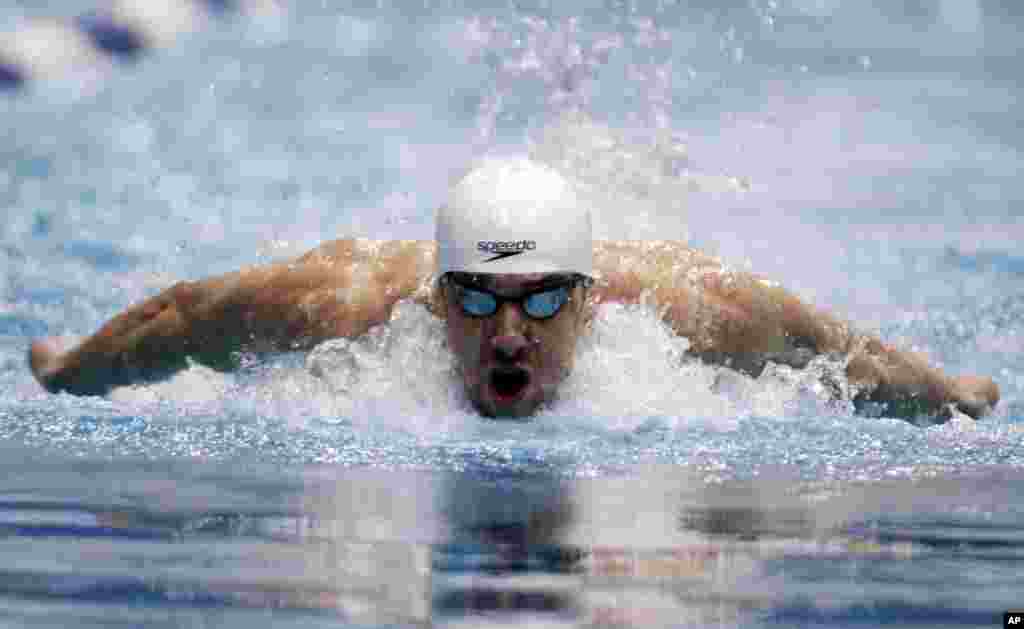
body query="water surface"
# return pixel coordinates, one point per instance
(866, 155)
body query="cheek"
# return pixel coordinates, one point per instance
(464, 342)
(559, 343)
(571, 329)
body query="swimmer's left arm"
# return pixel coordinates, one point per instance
(744, 321)
(748, 317)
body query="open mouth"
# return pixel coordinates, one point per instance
(509, 382)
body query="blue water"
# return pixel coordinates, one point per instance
(864, 154)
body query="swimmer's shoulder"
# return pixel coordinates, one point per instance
(625, 270)
(392, 269)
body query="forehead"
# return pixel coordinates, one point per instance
(509, 281)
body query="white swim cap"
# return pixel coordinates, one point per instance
(514, 215)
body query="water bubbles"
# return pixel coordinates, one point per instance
(605, 45)
(815, 8)
(646, 33)
(135, 136)
(355, 36)
(639, 186)
(551, 59)
(403, 365)
(568, 83)
(630, 368)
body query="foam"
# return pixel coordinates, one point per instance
(631, 374)
(638, 188)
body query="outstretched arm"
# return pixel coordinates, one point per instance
(340, 289)
(792, 332)
(738, 319)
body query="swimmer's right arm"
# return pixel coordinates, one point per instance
(340, 289)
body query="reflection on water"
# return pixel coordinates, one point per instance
(506, 551)
(172, 545)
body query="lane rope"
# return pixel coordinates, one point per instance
(88, 46)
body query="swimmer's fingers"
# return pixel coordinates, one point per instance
(44, 359)
(148, 338)
(975, 395)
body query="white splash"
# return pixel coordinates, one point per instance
(631, 367)
(638, 187)
(631, 370)
(400, 372)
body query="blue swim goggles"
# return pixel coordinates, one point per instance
(541, 303)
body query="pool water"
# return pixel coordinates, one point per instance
(865, 155)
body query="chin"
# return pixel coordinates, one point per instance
(519, 409)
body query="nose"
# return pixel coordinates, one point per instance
(508, 343)
(509, 348)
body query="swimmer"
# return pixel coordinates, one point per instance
(516, 277)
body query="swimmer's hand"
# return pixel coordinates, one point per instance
(975, 395)
(44, 359)
(61, 366)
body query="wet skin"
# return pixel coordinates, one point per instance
(344, 287)
(512, 363)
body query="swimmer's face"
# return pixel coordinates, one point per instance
(514, 336)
